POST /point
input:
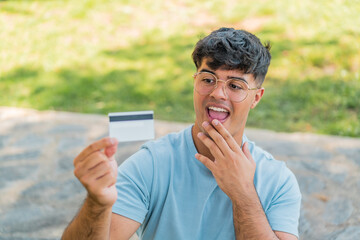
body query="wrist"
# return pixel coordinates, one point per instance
(95, 207)
(247, 196)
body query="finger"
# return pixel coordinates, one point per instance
(216, 137)
(96, 146)
(100, 170)
(93, 177)
(206, 161)
(245, 149)
(226, 135)
(89, 180)
(110, 151)
(107, 180)
(211, 145)
(98, 185)
(89, 163)
(114, 166)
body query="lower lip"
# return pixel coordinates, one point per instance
(210, 118)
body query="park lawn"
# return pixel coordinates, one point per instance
(104, 56)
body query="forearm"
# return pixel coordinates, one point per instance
(250, 221)
(91, 222)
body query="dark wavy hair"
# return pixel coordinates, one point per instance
(234, 49)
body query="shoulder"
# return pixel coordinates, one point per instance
(168, 144)
(278, 190)
(263, 158)
(272, 174)
(158, 151)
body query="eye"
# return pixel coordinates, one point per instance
(208, 80)
(236, 85)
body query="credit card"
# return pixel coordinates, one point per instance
(132, 126)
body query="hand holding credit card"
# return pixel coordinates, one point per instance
(132, 126)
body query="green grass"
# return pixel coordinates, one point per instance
(101, 56)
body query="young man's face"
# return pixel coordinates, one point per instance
(217, 105)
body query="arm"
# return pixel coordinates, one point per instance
(92, 222)
(234, 170)
(122, 228)
(96, 169)
(250, 221)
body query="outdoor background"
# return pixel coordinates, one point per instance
(101, 56)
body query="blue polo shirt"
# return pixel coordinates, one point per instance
(174, 196)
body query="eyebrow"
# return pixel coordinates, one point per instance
(229, 77)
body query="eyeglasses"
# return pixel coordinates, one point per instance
(236, 90)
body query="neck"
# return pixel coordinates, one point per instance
(200, 146)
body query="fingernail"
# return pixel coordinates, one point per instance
(112, 140)
(215, 122)
(200, 134)
(205, 124)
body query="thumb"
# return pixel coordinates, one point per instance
(246, 151)
(110, 151)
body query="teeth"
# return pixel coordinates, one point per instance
(218, 109)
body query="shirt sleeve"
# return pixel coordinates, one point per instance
(284, 211)
(134, 182)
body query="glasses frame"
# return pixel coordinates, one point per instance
(224, 81)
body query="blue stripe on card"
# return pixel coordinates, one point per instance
(131, 117)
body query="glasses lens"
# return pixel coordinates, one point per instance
(205, 83)
(236, 90)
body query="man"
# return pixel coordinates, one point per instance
(206, 182)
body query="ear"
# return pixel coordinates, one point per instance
(257, 97)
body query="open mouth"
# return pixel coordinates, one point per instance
(218, 113)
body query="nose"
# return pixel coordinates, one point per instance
(219, 91)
